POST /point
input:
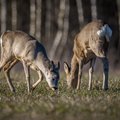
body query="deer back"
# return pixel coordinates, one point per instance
(88, 43)
(21, 46)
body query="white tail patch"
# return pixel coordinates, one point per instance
(105, 31)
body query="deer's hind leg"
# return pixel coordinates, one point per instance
(6, 70)
(79, 74)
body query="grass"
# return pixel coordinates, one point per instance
(69, 104)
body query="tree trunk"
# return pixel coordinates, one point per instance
(93, 9)
(38, 19)
(23, 15)
(3, 16)
(48, 20)
(58, 36)
(9, 14)
(74, 28)
(43, 16)
(32, 17)
(0, 17)
(118, 4)
(80, 11)
(14, 15)
(65, 31)
(87, 10)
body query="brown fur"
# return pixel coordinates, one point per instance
(20, 46)
(87, 46)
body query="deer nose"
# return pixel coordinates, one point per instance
(55, 88)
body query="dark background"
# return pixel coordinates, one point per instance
(56, 22)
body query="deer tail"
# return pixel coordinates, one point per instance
(105, 31)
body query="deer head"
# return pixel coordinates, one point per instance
(71, 79)
(52, 75)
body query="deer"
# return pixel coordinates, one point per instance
(19, 46)
(91, 42)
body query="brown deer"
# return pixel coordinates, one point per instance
(19, 46)
(91, 42)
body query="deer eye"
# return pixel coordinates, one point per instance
(47, 72)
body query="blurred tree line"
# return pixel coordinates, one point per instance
(56, 22)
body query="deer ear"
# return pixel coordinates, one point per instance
(58, 65)
(66, 68)
(52, 62)
(51, 66)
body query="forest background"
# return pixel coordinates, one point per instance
(56, 22)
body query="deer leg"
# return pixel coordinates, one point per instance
(5, 59)
(10, 64)
(27, 75)
(3, 63)
(6, 70)
(38, 81)
(79, 75)
(105, 73)
(91, 70)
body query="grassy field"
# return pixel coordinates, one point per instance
(69, 104)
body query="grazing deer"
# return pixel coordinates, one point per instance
(19, 46)
(90, 43)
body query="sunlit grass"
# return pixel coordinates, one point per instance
(69, 104)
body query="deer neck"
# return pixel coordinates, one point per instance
(74, 67)
(44, 64)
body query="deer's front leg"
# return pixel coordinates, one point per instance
(105, 73)
(91, 70)
(79, 74)
(27, 74)
(38, 81)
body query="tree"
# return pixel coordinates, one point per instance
(14, 15)
(86, 4)
(23, 15)
(65, 31)
(3, 15)
(38, 19)
(58, 36)
(9, 14)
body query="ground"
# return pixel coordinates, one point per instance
(68, 104)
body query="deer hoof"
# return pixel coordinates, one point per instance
(13, 90)
(105, 88)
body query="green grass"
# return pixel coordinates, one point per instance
(69, 104)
